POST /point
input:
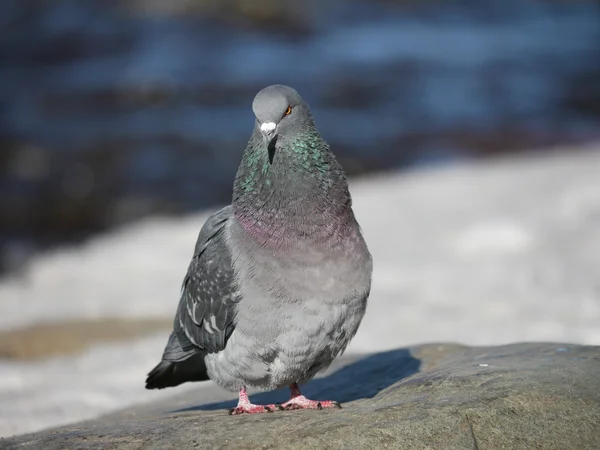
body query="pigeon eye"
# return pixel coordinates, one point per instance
(288, 111)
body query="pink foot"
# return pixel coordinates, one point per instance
(251, 409)
(244, 406)
(299, 401)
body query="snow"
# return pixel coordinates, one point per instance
(479, 253)
(496, 235)
(35, 395)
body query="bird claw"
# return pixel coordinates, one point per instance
(250, 409)
(301, 402)
(297, 401)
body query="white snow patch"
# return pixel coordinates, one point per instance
(35, 395)
(494, 236)
(580, 202)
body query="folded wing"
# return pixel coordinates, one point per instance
(205, 316)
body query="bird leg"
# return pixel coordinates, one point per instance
(299, 401)
(244, 406)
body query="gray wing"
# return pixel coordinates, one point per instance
(206, 312)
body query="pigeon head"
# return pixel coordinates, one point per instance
(279, 109)
(288, 170)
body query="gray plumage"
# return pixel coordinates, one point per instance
(279, 280)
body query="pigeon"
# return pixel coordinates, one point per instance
(279, 280)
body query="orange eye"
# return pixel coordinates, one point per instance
(288, 111)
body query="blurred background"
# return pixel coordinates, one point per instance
(119, 118)
(112, 110)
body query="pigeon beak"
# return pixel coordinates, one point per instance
(268, 129)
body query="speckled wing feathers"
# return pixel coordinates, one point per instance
(209, 293)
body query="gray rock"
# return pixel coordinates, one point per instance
(530, 396)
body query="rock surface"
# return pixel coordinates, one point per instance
(530, 396)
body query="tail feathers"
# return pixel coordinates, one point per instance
(173, 373)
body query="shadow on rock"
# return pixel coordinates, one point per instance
(362, 378)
